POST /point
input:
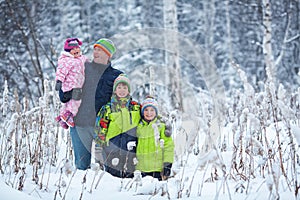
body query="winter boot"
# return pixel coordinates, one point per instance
(61, 123)
(68, 118)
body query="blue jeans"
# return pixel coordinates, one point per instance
(82, 138)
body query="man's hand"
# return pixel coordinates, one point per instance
(76, 93)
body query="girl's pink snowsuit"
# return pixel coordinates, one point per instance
(70, 72)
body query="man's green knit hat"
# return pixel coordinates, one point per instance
(106, 45)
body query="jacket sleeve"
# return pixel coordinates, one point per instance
(62, 70)
(105, 87)
(101, 125)
(168, 146)
(168, 130)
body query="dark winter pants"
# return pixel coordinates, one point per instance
(118, 160)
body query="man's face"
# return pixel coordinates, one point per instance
(75, 52)
(99, 53)
(122, 90)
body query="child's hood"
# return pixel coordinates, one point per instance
(65, 54)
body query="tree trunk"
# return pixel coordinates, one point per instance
(173, 74)
(267, 40)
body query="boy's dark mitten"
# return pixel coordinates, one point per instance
(58, 85)
(167, 169)
(77, 93)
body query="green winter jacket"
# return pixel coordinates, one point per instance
(149, 153)
(113, 120)
(122, 121)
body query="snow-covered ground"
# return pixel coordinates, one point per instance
(114, 188)
(188, 183)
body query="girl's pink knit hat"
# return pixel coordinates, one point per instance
(72, 43)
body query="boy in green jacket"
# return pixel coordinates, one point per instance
(115, 130)
(155, 147)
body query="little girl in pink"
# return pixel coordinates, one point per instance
(70, 75)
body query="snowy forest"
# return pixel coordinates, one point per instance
(226, 74)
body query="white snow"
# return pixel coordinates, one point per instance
(96, 184)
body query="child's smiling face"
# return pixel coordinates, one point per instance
(122, 90)
(149, 113)
(75, 52)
